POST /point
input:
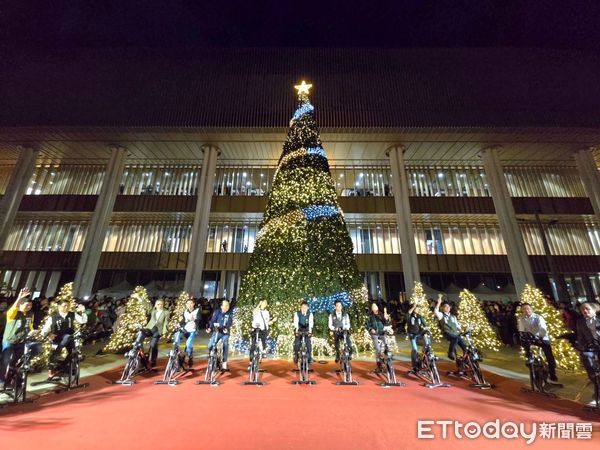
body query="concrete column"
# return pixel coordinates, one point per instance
(92, 247)
(17, 186)
(511, 233)
(382, 286)
(195, 264)
(590, 176)
(410, 263)
(221, 289)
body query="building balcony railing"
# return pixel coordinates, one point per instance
(257, 204)
(125, 261)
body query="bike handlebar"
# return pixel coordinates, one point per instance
(423, 333)
(529, 338)
(342, 331)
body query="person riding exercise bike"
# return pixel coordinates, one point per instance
(416, 327)
(20, 365)
(533, 323)
(588, 340)
(60, 328)
(261, 320)
(155, 328)
(303, 326)
(450, 327)
(221, 322)
(19, 322)
(339, 321)
(188, 330)
(377, 325)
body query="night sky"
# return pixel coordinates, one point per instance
(61, 24)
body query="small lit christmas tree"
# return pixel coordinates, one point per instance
(176, 314)
(66, 292)
(566, 356)
(418, 296)
(471, 315)
(136, 313)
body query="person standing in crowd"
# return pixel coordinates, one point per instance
(189, 325)
(415, 327)
(450, 327)
(41, 312)
(19, 322)
(221, 322)
(3, 308)
(261, 319)
(588, 338)
(60, 329)
(569, 316)
(339, 321)
(303, 323)
(530, 322)
(155, 328)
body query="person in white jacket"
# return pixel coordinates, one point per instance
(261, 320)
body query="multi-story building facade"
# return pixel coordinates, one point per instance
(452, 166)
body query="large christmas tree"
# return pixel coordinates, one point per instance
(303, 250)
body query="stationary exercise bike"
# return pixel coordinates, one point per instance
(255, 359)
(346, 362)
(18, 372)
(215, 362)
(537, 366)
(303, 369)
(67, 371)
(468, 365)
(176, 363)
(427, 369)
(596, 380)
(385, 361)
(137, 362)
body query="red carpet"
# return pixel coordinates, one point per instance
(278, 415)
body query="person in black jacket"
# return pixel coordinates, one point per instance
(415, 326)
(60, 327)
(377, 324)
(588, 336)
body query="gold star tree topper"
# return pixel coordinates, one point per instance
(303, 88)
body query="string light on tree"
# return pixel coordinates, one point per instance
(136, 313)
(566, 356)
(471, 315)
(175, 317)
(418, 296)
(303, 250)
